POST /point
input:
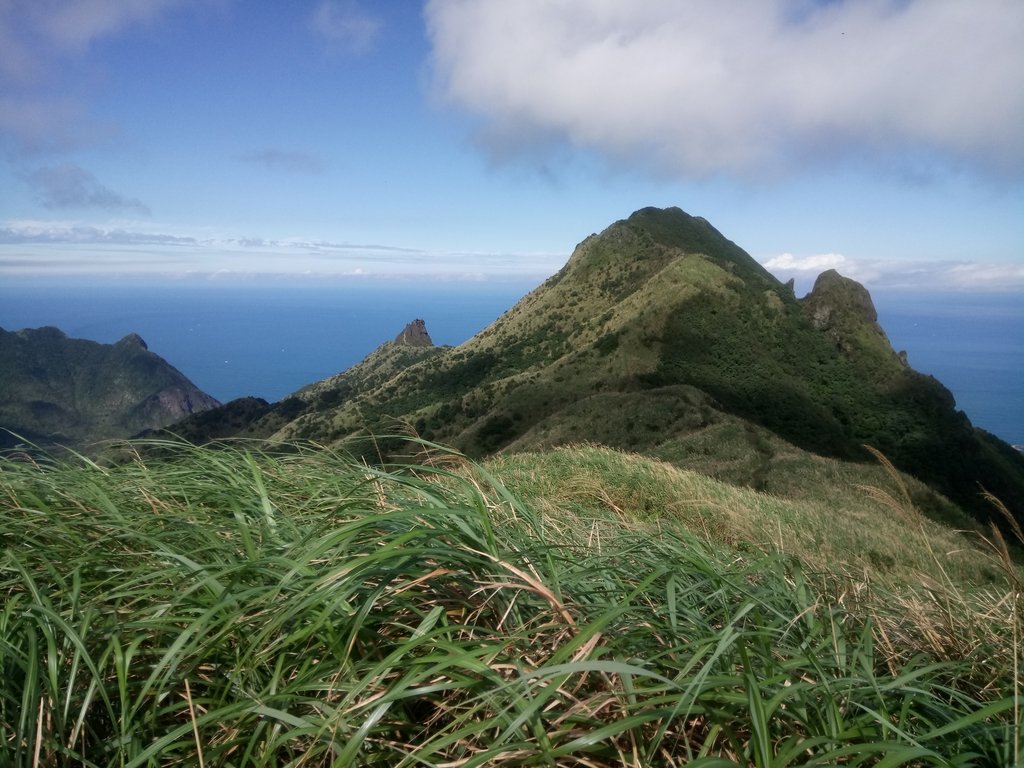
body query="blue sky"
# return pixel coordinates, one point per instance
(482, 139)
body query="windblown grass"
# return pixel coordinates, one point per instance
(864, 524)
(228, 607)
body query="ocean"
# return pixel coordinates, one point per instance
(972, 343)
(270, 340)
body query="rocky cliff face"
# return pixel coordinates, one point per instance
(55, 390)
(842, 308)
(835, 298)
(415, 335)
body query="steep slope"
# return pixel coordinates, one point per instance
(308, 412)
(57, 390)
(312, 408)
(590, 328)
(663, 337)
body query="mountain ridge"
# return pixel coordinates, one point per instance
(56, 390)
(661, 336)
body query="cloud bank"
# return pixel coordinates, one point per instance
(916, 276)
(47, 248)
(31, 248)
(749, 87)
(58, 233)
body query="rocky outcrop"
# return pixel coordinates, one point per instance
(835, 300)
(176, 402)
(842, 308)
(415, 335)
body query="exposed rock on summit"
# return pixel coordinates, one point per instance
(415, 335)
(843, 309)
(835, 298)
(303, 411)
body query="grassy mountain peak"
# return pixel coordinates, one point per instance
(661, 336)
(580, 596)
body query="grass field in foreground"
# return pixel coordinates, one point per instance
(229, 607)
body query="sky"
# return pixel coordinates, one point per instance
(483, 139)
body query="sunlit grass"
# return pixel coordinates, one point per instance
(230, 607)
(841, 526)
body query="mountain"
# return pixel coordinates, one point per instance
(55, 390)
(251, 417)
(661, 336)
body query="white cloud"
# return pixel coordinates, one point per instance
(32, 31)
(1000, 277)
(73, 233)
(813, 263)
(50, 248)
(747, 87)
(908, 275)
(74, 24)
(345, 26)
(35, 37)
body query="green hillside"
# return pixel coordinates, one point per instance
(660, 336)
(55, 390)
(661, 542)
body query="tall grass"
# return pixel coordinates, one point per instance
(853, 522)
(230, 607)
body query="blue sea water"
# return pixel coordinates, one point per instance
(256, 338)
(972, 343)
(270, 340)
